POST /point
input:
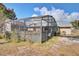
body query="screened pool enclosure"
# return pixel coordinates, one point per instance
(35, 29)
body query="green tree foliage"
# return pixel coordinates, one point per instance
(2, 16)
(75, 24)
(2, 8)
(5, 14)
(10, 14)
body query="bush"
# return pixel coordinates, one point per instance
(1, 36)
(8, 35)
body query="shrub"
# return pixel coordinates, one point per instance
(1, 36)
(8, 35)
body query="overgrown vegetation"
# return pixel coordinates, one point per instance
(5, 13)
(49, 48)
(8, 35)
(1, 36)
(14, 48)
(9, 13)
(75, 24)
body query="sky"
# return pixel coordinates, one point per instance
(60, 11)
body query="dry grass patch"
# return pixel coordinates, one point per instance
(51, 47)
(69, 50)
(27, 48)
(48, 43)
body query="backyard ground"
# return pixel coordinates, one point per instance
(56, 46)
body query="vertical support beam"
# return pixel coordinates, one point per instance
(24, 30)
(51, 25)
(48, 27)
(18, 33)
(41, 29)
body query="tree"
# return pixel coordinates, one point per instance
(5, 14)
(2, 17)
(10, 14)
(2, 8)
(75, 24)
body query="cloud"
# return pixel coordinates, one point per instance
(34, 15)
(60, 16)
(56, 13)
(36, 9)
(44, 11)
(74, 16)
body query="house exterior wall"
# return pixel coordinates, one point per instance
(7, 25)
(34, 29)
(65, 31)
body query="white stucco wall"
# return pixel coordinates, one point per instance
(66, 30)
(8, 25)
